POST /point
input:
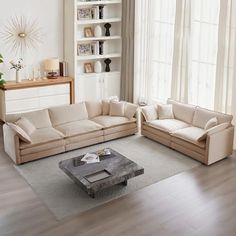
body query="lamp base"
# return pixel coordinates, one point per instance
(52, 75)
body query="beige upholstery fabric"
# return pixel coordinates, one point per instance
(130, 110)
(110, 121)
(20, 132)
(40, 119)
(120, 134)
(191, 134)
(105, 107)
(84, 137)
(117, 108)
(165, 111)
(157, 132)
(78, 127)
(119, 128)
(213, 130)
(94, 109)
(149, 112)
(157, 138)
(41, 136)
(184, 112)
(68, 113)
(168, 125)
(26, 125)
(202, 116)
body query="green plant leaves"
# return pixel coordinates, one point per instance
(1, 58)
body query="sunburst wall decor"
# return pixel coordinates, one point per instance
(21, 34)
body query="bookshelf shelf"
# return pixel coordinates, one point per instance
(99, 21)
(102, 38)
(97, 57)
(95, 3)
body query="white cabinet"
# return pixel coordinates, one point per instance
(95, 87)
(28, 96)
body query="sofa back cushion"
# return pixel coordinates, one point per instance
(202, 116)
(40, 119)
(94, 108)
(68, 113)
(117, 108)
(130, 110)
(183, 112)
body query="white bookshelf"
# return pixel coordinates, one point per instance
(91, 86)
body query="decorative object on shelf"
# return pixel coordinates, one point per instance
(88, 68)
(97, 67)
(107, 27)
(52, 66)
(101, 44)
(88, 32)
(107, 62)
(22, 34)
(84, 14)
(101, 13)
(17, 66)
(2, 81)
(84, 49)
(63, 68)
(98, 31)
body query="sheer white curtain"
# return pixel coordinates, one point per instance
(154, 42)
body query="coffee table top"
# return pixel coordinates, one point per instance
(111, 170)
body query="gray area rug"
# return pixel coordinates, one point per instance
(64, 198)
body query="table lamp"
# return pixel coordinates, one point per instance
(51, 66)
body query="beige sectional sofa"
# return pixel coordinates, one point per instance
(64, 128)
(185, 131)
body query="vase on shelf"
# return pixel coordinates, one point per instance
(98, 31)
(18, 79)
(97, 67)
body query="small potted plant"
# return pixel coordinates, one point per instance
(2, 81)
(17, 66)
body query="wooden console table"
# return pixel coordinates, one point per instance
(33, 95)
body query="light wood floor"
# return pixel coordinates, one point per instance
(201, 201)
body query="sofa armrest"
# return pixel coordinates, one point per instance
(11, 143)
(219, 145)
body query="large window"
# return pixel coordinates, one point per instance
(204, 44)
(162, 43)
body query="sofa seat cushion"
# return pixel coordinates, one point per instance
(168, 125)
(111, 121)
(42, 139)
(191, 135)
(78, 127)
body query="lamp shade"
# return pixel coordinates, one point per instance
(51, 64)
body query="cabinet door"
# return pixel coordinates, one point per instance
(89, 88)
(111, 85)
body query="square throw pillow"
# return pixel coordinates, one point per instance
(20, 132)
(165, 111)
(26, 125)
(211, 123)
(117, 108)
(149, 112)
(130, 110)
(106, 105)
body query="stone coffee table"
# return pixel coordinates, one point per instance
(111, 170)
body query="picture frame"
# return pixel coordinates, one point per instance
(88, 68)
(88, 32)
(84, 49)
(84, 14)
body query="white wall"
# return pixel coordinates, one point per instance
(49, 14)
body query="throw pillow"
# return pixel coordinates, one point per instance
(213, 130)
(211, 123)
(165, 111)
(117, 108)
(20, 132)
(149, 113)
(26, 125)
(130, 110)
(106, 105)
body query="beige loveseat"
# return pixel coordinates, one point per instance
(185, 131)
(64, 128)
